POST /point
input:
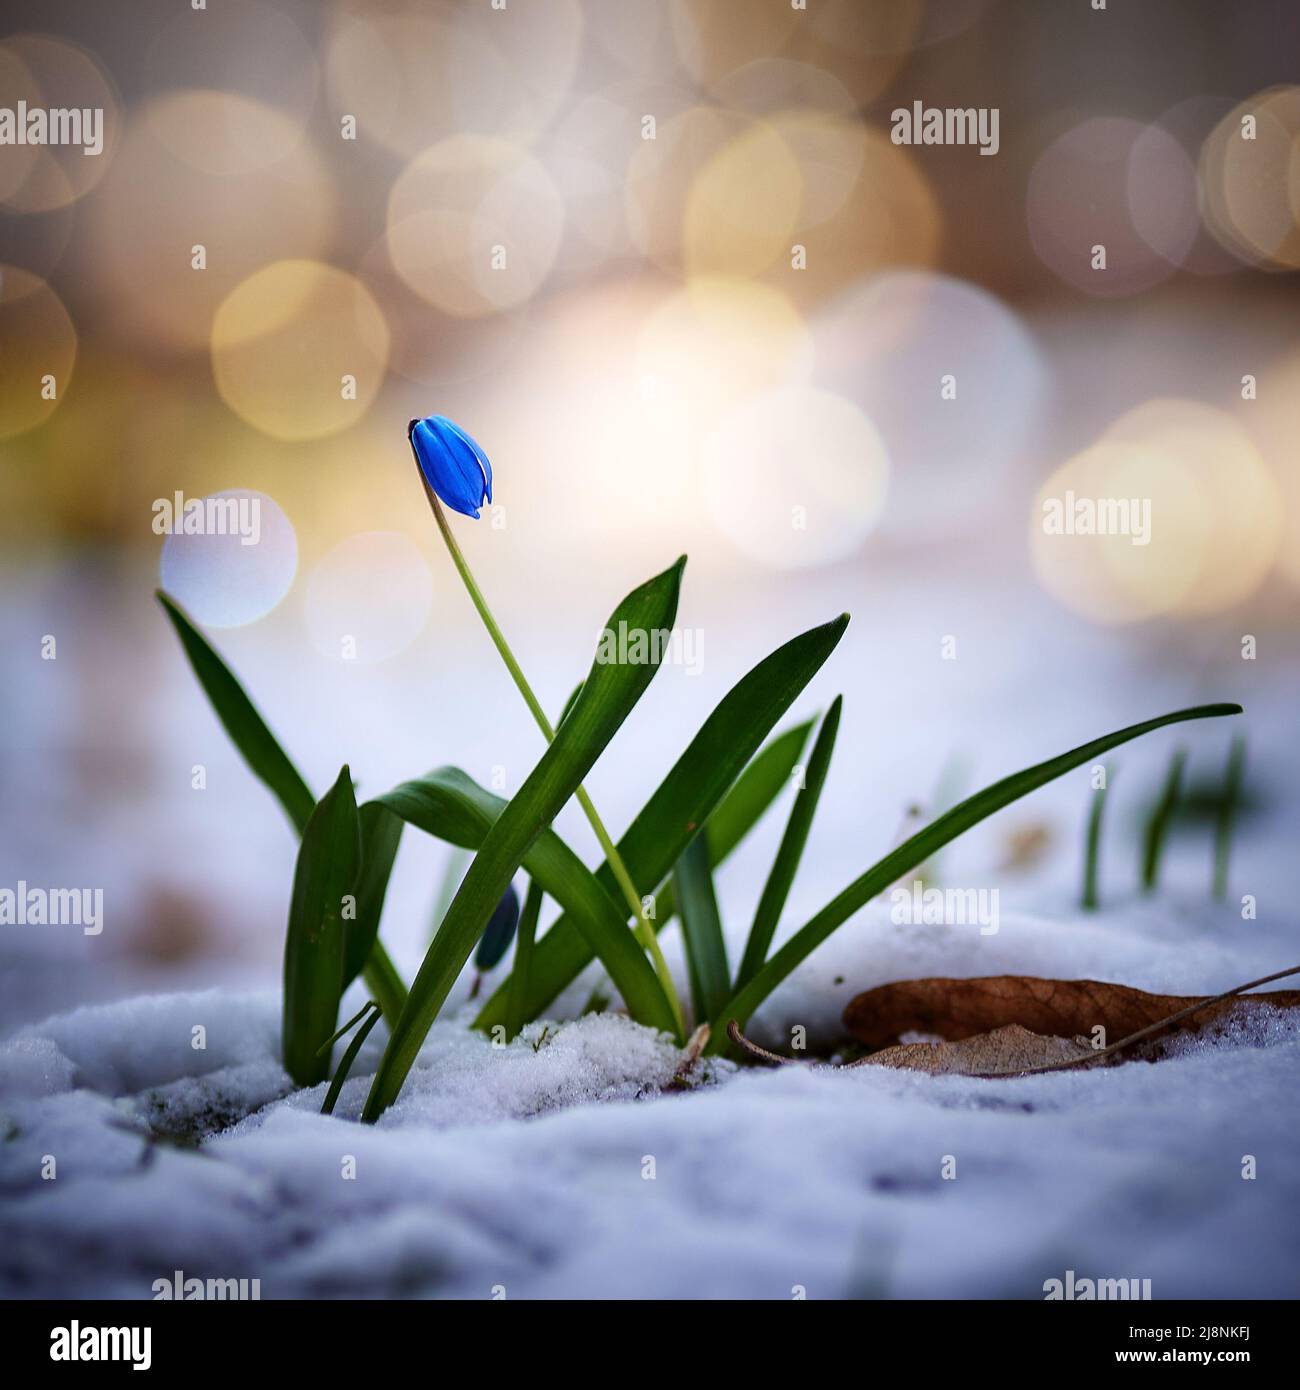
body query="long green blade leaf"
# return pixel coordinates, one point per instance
(329, 860)
(562, 956)
(381, 834)
(524, 943)
(269, 762)
(607, 698)
(241, 720)
(706, 950)
(777, 887)
(451, 806)
(916, 850)
(687, 798)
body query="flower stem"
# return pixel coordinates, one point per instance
(644, 928)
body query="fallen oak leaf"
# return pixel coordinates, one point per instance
(955, 1008)
(1016, 1047)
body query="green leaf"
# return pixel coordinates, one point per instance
(1157, 826)
(381, 834)
(777, 887)
(515, 1018)
(565, 955)
(451, 806)
(329, 860)
(350, 1056)
(688, 797)
(269, 762)
(916, 850)
(611, 690)
(242, 722)
(706, 950)
(1090, 898)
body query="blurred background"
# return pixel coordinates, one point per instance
(664, 261)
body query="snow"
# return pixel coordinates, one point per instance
(567, 1165)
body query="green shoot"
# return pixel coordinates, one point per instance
(350, 1056)
(1090, 899)
(1157, 826)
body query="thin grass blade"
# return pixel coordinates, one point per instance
(349, 1057)
(247, 728)
(706, 951)
(1090, 897)
(329, 860)
(271, 764)
(515, 1017)
(688, 797)
(1157, 826)
(917, 849)
(784, 866)
(608, 696)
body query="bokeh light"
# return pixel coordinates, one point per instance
(220, 580)
(351, 611)
(795, 478)
(474, 224)
(1190, 474)
(38, 346)
(1163, 194)
(1222, 466)
(49, 73)
(1250, 171)
(716, 342)
(1077, 207)
(421, 71)
(1113, 577)
(743, 205)
(299, 350)
(1160, 220)
(238, 59)
(889, 344)
(158, 206)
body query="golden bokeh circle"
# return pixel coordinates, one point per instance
(474, 225)
(1114, 577)
(38, 346)
(291, 342)
(51, 73)
(158, 206)
(410, 75)
(1225, 469)
(1250, 177)
(743, 206)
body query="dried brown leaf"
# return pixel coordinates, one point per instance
(959, 1009)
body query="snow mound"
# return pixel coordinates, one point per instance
(570, 1164)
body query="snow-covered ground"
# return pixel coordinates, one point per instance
(561, 1167)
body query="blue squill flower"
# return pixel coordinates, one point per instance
(452, 463)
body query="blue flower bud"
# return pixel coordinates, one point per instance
(499, 932)
(452, 463)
